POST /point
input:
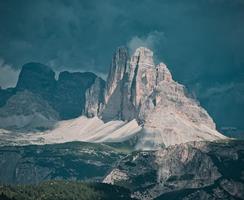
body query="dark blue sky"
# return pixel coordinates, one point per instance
(201, 41)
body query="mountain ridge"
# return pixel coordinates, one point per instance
(141, 90)
(136, 89)
(66, 95)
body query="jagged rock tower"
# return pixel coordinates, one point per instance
(138, 89)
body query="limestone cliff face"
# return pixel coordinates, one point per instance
(117, 70)
(114, 86)
(162, 74)
(136, 88)
(139, 89)
(133, 83)
(144, 76)
(95, 98)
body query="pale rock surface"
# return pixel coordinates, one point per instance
(137, 92)
(94, 98)
(117, 70)
(132, 90)
(163, 74)
(115, 175)
(163, 108)
(183, 171)
(78, 129)
(138, 84)
(114, 86)
(144, 78)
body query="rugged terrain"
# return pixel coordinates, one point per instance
(74, 161)
(139, 99)
(194, 170)
(140, 130)
(50, 100)
(139, 89)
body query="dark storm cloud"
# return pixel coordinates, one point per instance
(201, 41)
(197, 39)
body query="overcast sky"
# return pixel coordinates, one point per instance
(196, 38)
(201, 41)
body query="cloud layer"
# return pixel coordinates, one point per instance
(195, 38)
(8, 75)
(201, 41)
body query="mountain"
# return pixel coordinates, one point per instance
(195, 170)
(140, 131)
(27, 106)
(94, 98)
(139, 89)
(137, 92)
(38, 79)
(70, 94)
(65, 96)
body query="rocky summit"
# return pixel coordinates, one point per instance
(139, 131)
(138, 92)
(66, 97)
(139, 89)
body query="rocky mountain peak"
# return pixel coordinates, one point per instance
(144, 77)
(66, 95)
(136, 89)
(163, 73)
(143, 55)
(146, 92)
(69, 96)
(117, 70)
(95, 98)
(37, 78)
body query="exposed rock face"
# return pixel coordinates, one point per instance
(38, 79)
(114, 86)
(143, 81)
(132, 88)
(136, 88)
(163, 74)
(114, 176)
(70, 95)
(95, 98)
(171, 117)
(142, 76)
(185, 171)
(66, 97)
(148, 94)
(117, 70)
